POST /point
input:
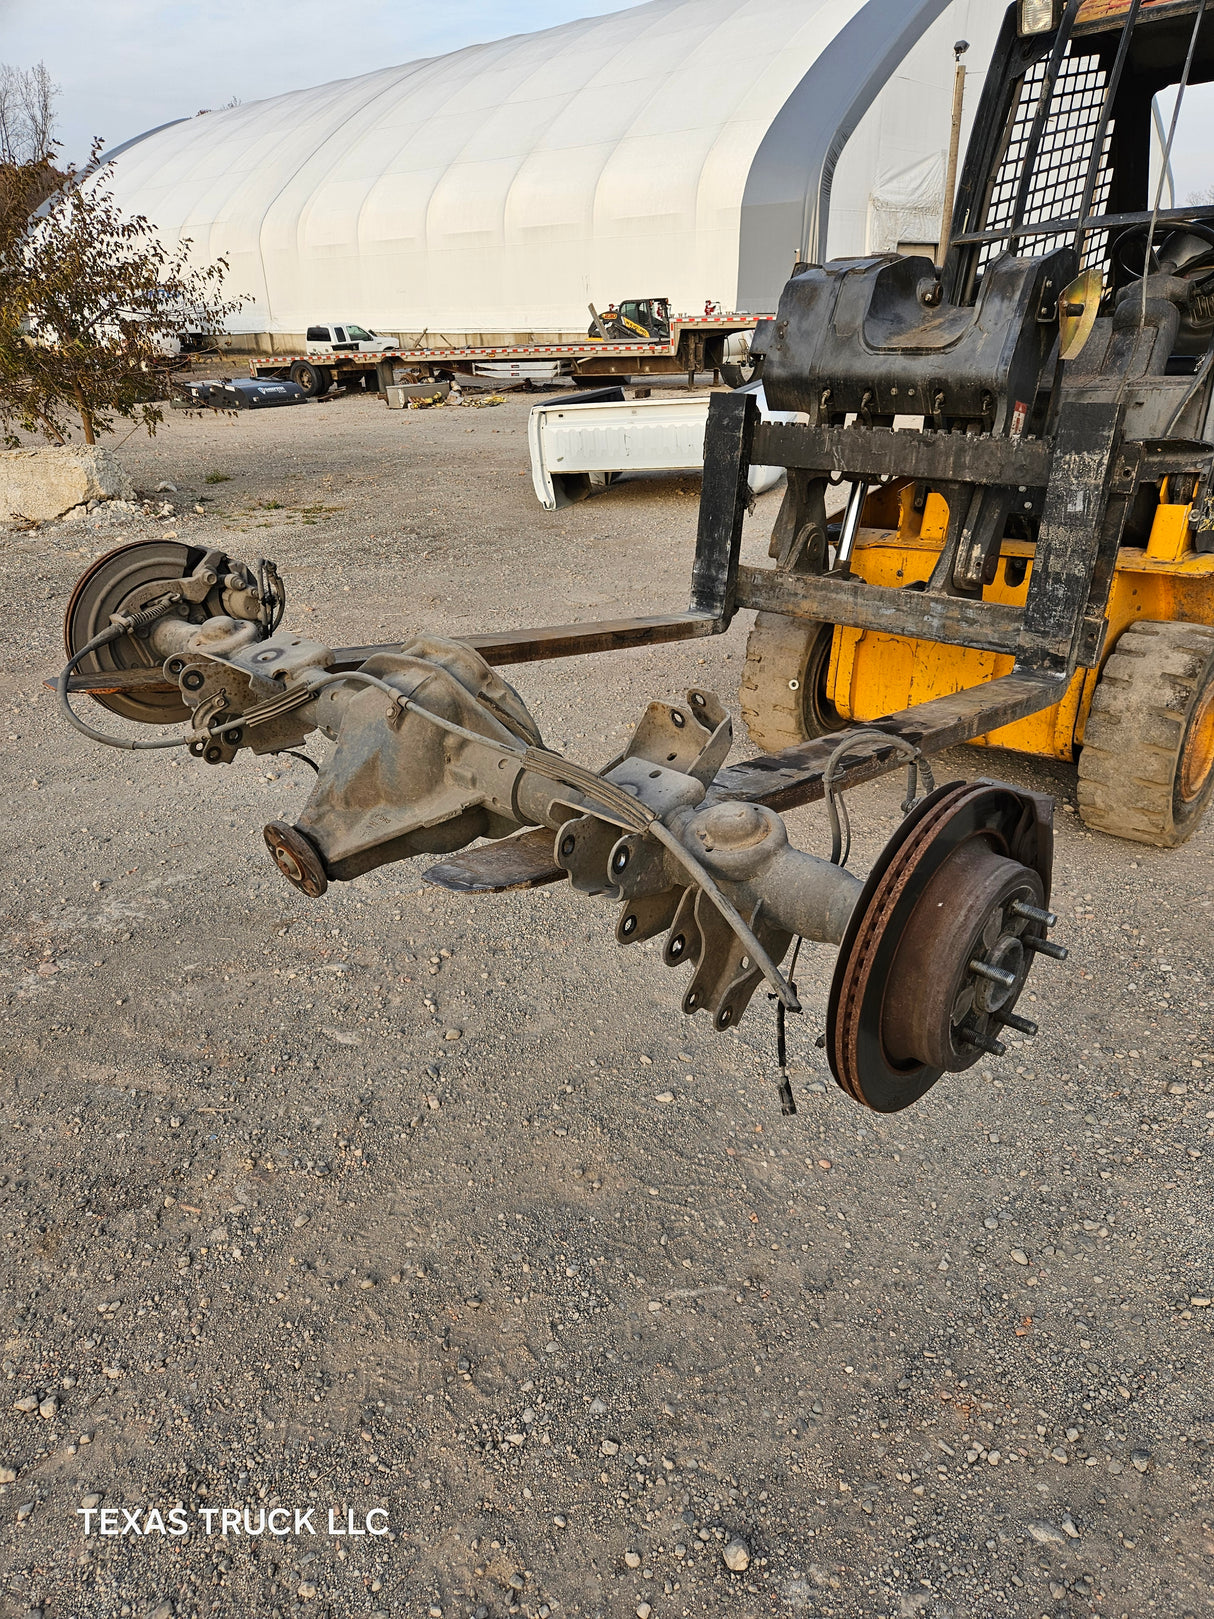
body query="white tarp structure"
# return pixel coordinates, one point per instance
(906, 205)
(683, 148)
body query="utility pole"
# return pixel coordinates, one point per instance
(954, 149)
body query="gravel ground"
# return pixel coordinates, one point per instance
(407, 1201)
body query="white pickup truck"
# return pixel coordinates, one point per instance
(347, 339)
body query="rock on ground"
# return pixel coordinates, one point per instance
(42, 484)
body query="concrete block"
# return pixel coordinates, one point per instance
(43, 484)
(399, 394)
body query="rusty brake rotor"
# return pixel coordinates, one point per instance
(941, 942)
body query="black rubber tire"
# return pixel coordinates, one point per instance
(601, 382)
(783, 693)
(313, 379)
(1146, 771)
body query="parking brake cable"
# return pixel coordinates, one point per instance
(607, 801)
(119, 625)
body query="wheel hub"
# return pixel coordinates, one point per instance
(941, 943)
(297, 858)
(961, 960)
(990, 994)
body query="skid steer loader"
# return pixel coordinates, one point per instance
(1027, 561)
(1052, 529)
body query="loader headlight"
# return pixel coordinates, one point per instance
(1038, 16)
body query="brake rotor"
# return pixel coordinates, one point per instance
(941, 942)
(127, 578)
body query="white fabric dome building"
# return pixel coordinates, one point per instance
(684, 148)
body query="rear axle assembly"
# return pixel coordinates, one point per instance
(432, 751)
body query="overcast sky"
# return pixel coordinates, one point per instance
(127, 65)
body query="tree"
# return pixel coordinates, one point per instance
(28, 173)
(27, 114)
(92, 309)
(24, 187)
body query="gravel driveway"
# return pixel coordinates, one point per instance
(405, 1201)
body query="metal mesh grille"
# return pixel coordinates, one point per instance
(1061, 166)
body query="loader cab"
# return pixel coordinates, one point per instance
(1064, 249)
(650, 315)
(1058, 374)
(1056, 162)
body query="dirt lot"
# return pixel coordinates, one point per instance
(405, 1201)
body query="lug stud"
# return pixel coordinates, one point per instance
(993, 1048)
(1032, 913)
(997, 975)
(1023, 1025)
(1044, 947)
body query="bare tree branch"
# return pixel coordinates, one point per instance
(9, 114)
(38, 93)
(27, 114)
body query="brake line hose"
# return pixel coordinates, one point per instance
(118, 626)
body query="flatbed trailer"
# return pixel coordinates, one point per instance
(696, 343)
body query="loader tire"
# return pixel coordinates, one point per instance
(784, 684)
(1146, 771)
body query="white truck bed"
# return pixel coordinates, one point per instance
(571, 441)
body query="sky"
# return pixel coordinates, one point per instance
(125, 66)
